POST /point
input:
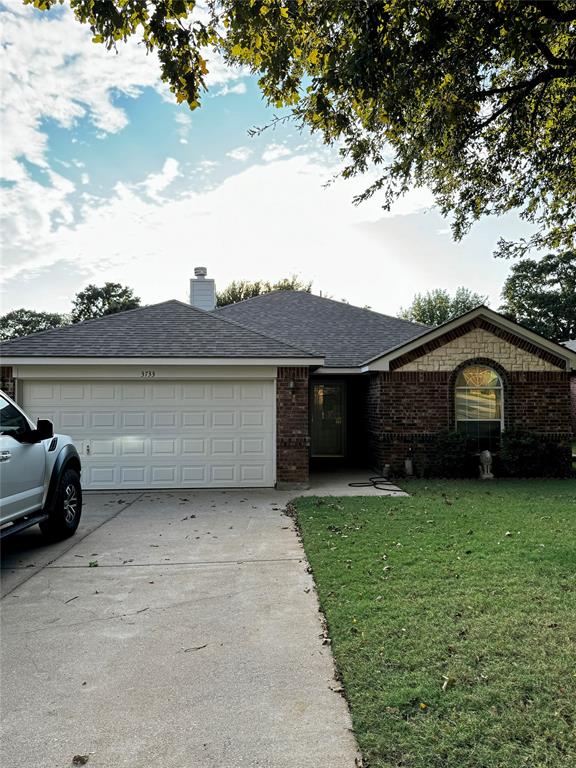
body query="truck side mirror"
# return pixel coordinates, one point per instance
(44, 430)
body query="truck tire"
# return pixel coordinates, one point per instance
(66, 509)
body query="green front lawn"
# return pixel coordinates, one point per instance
(452, 615)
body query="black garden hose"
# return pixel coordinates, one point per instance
(379, 482)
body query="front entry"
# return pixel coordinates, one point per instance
(328, 419)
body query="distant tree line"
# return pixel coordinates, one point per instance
(540, 294)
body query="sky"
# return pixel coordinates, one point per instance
(105, 178)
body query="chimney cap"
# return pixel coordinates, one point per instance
(200, 271)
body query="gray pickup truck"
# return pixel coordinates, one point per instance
(39, 475)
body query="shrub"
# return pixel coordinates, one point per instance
(528, 454)
(448, 456)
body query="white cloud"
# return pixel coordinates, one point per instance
(239, 89)
(184, 122)
(241, 154)
(159, 182)
(52, 71)
(275, 152)
(205, 166)
(85, 178)
(267, 221)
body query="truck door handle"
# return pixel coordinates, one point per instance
(5, 455)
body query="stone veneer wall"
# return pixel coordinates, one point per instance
(292, 427)
(478, 342)
(407, 406)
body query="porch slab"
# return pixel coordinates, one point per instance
(346, 482)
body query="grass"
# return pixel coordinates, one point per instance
(452, 615)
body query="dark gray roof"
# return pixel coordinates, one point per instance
(345, 335)
(170, 329)
(570, 344)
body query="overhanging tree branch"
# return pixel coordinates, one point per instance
(527, 85)
(551, 11)
(550, 57)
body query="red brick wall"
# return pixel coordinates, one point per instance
(292, 426)
(7, 383)
(573, 388)
(406, 408)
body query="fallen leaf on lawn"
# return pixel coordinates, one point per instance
(448, 682)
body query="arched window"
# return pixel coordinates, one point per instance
(479, 405)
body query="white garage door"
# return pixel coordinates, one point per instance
(168, 434)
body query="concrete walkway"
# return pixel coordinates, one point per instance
(176, 629)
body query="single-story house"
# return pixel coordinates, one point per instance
(179, 395)
(571, 344)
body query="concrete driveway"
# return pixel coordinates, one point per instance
(175, 629)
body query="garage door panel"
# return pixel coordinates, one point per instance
(224, 419)
(194, 418)
(250, 474)
(163, 476)
(132, 392)
(106, 420)
(196, 446)
(103, 448)
(194, 474)
(164, 419)
(164, 434)
(102, 392)
(136, 419)
(163, 391)
(72, 391)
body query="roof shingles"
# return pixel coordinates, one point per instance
(346, 335)
(170, 329)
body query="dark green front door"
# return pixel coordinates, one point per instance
(328, 427)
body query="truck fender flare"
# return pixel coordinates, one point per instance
(67, 458)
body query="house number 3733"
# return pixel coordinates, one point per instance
(147, 374)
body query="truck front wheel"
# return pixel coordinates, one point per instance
(66, 509)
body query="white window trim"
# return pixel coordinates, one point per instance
(500, 388)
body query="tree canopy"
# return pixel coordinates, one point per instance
(238, 290)
(476, 100)
(541, 294)
(22, 322)
(96, 301)
(437, 307)
(93, 301)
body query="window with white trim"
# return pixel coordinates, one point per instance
(479, 404)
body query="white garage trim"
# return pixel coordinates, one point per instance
(148, 371)
(148, 361)
(167, 433)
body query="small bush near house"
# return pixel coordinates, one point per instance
(448, 456)
(526, 454)
(522, 454)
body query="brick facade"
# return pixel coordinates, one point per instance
(7, 382)
(573, 388)
(292, 427)
(406, 407)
